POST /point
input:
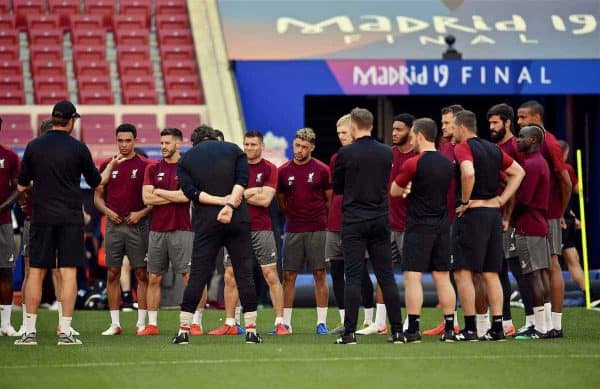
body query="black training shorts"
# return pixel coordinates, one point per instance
(56, 245)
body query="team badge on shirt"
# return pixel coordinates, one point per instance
(290, 180)
(259, 177)
(134, 173)
(310, 177)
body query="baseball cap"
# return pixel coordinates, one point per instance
(64, 110)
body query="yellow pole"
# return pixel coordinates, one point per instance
(586, 271)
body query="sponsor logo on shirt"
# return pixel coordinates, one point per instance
(1, 163)
(134, 173)
(159, 176)
(259, 177)
(114, 174)
(290, 180)
(310, 177)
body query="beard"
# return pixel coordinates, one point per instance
(497, 136)
(403, 140)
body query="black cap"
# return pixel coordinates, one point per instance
(64, 110)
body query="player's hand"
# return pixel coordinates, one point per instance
(114, 217)
(117, 159)
(407, 190)
(225, 215)
(505, 225)
(460, 211)
(134, 217)
(563, 223)
(577, 224)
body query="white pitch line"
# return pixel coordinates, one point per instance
(296, 360)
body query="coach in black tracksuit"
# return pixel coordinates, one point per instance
(361, 174)
(213, 175)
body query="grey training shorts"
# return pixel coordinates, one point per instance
(172, 246)
(333, 246)
(263, 245)
(7, 246)
(534, 253)
(555, 236)
(508, 243)
(124, 239)
(300, 248)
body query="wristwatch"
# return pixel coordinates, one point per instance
(464, 202)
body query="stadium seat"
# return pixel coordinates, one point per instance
(7, 21)
(51, 96)
(147, 130)
(46, 84)
(138, 36)
(140, 97)
(179, 68)
(129, 22)
(89, 53)
(22, 8)
(170, 7)
(133, 53)
(177, 52)
(98, 128)
(139, 83)
(11, 68)
(175, 37)
(42, 22)
(172, 22)
(46, 36)
(94, 83)
(11, 83)
(41, 53)
(183, 97)
(184, 121)
(95, 97)
(135, 68)
(92, 68)
(16, 130)
(65, 9)
(104, 8)
(137, 8)
(186, 83)
(15, 97)
(9, 53)
(48, 68)
(86, 22)
(89, 36)
(4, 7)
(9, 37)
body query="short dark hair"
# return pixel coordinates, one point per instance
(534, 106)
(536, 131)
(427, 127)
(219, 134)
(59, 122)
(405, 118)
(254, 134)
(564, 146)
(202, 133)
(466, 118)
(362, 117)
(505, 112)
(127, 127)
(174, 132)
(45, 126)
(454, 108)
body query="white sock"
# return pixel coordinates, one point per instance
(153, 318)
(539, 319)
(30, 320)
(198, 317)
(60, 314)
(557, 320)
(529, 320)
(250, 321)
(185, 321)
(456, 320)
(238, 314)
(368, 316)
(5, 315)
(230, 321)
(548, 312)
(321, 315)
(405, 324)
(483, 324)
(287, 316)
(342, 315)
(24, 312)
(65, 324)
(141, 318)
(380, 315)
(507, 324)
(279, 320)
(114, 318)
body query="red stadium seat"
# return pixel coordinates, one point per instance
(89, 53)
(42, 22)
(92, 68)
(184, 121)
(48, 69)
(65, 9)
(90, 97)
(89, 37)
(16, 130)
(132, 53)
(11, 68)
(140, 97)
(172, 22)
(46, 36)
(12, 98)
(137, 83)
(128, 36)
(177, 52)
(135, 68)
(147, 130)
(129, 22)
(22, 8)
(171, 7)
(183, 97)
(104, 8)
(44, 53)
(48, 84)
(175, 37)
(94, 83)
(9, 53)
(11, 83)
(179, 68)
(9, 37)
(137, 8)
(7, 22)
(51, 96)
(86, 22)
(4, 7)
(185, 83)
(98, 128)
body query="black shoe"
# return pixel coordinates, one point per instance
(253, 337)
(524, 331)
(346, 339)
(181, 338)
(466, 336)
(412, 337)
(553, 334)
(396, 338)
(448, 336)
(492, 335)
(531, 334)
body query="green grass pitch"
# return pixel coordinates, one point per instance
(301, 360)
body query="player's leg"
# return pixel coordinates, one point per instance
(333, 254)
(231, 295)
(293, 261)
(571, 257)
(440, 271)
(314, 247)
(367, 296)
(482, 313)
(114, 247)
(125, 283)
(136, 247)
(557, 282)
(157, 266)
(26, 244)
(7, 261)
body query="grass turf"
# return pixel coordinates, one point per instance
(301, 360)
